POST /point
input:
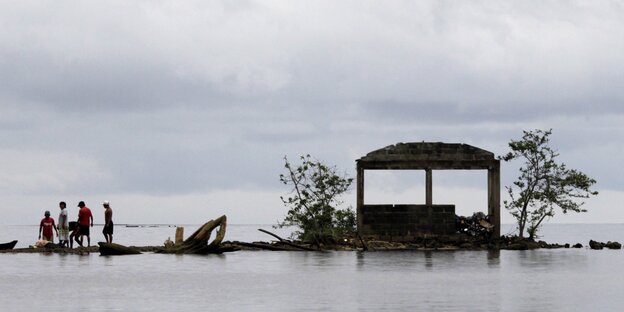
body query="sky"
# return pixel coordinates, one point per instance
(180, 111)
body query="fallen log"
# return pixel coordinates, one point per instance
(112, 249)
(266, 246)
(75, 251)
(287, 242)
(226, 248)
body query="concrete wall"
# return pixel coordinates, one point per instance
(406, 222)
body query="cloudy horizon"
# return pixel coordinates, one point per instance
(179, 112)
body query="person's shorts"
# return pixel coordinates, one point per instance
(63, 234)
(83, 229)
(108, 229)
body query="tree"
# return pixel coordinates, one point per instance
(543, 184)
(313, 201)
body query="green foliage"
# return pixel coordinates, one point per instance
(543, 184)
(314, 199)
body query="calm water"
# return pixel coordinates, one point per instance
(540, 280)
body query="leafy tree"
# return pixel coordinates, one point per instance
(543, 184)
(313, 201)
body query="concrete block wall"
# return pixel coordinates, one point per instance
(406, 222)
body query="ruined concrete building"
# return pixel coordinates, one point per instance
(406, 222)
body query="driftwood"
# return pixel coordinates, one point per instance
(272, 234)
(266, 246)
(112, 249)
(286, 242)
(197, 243)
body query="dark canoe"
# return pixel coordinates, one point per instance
(112, 249)
(7, 246)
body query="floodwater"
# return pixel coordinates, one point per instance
(538, 280)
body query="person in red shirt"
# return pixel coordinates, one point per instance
(85, 221)
(45, 226)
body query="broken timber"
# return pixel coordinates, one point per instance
(197, 243)
(285, 242)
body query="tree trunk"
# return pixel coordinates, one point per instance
(522, 221)
(537, 225)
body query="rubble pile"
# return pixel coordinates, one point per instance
(477, 225)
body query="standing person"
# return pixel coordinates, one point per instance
(46, 225)
(63, 226)
(108, 222)
(73, 235)
(85, 221)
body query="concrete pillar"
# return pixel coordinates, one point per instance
(494, 197)
(360, 196)
(428, 187)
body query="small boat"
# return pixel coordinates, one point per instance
(112, 249)
(7, 246)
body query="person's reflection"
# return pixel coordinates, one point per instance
(360, 259)
(429, 259)
(493, 257)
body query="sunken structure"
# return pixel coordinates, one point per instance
(398, 222)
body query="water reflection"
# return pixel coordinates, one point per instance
(552, 280)
(428, 260)
(108, 260)
(408, 280)
(545, 260)
(493, 257)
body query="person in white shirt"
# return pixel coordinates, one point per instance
(63, 226)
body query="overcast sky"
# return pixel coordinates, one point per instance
(180, 111)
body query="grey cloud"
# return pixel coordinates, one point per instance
(101, 85)
(473, 60)
(503, 111)
(192, 97)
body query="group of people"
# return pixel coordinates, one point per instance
(68, 231)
